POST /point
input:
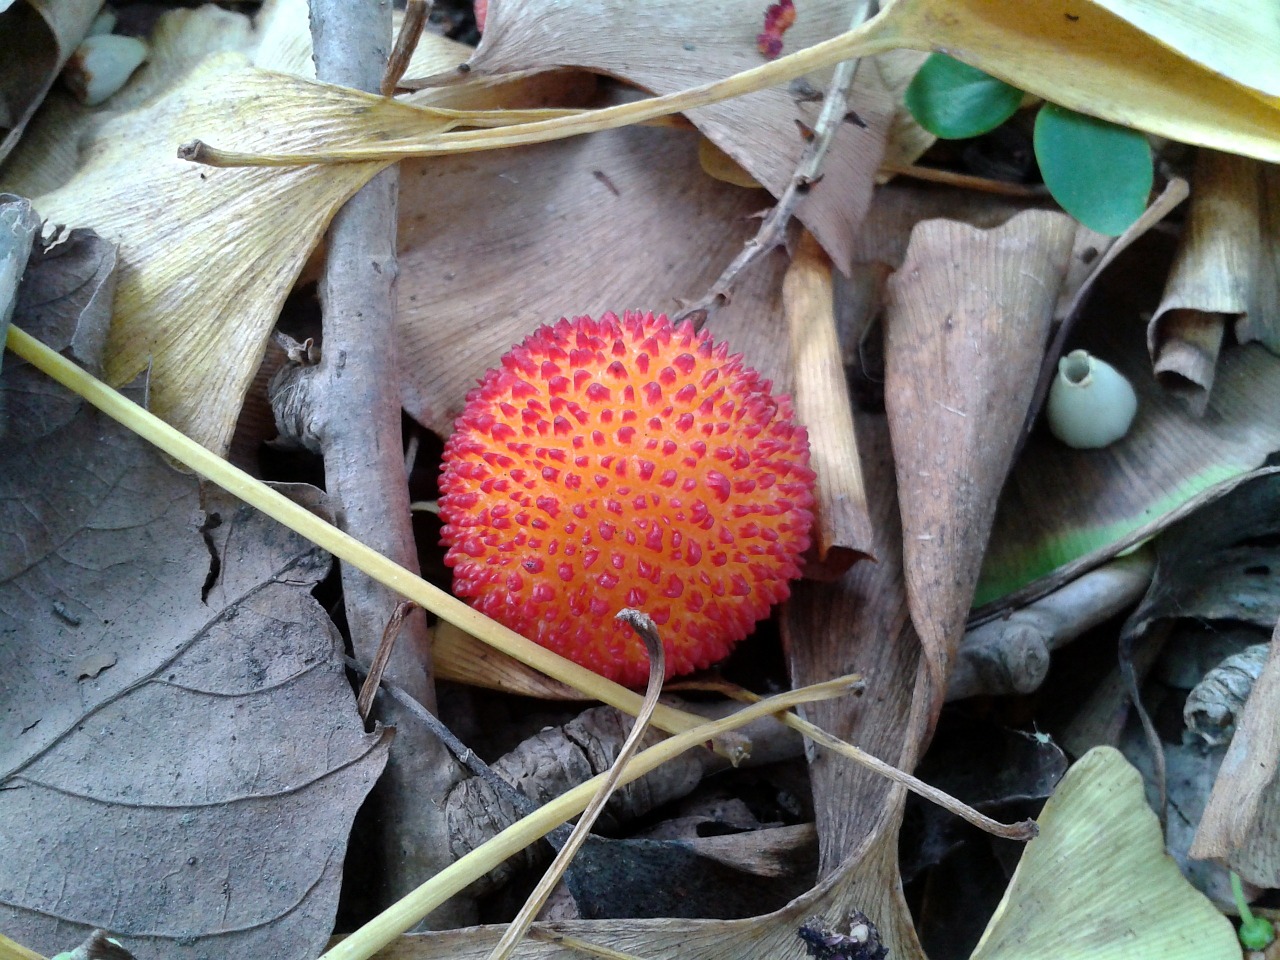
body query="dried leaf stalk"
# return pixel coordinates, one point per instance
(645, 629)
(842, 528)
(325, 535)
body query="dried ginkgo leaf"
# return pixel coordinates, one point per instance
(207, 256)
(967, 320)
(666, 46)
(1098, 884)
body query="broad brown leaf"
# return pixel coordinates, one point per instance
(180, 757)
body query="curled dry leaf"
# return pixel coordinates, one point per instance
(1227, 269)
(40, 35)
(841, 531)
(173, 750)
(860, 622)
(670, 46)
(1216, 701)
(967, 320)
(897, 207)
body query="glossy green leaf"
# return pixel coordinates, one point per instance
(1100, 173)
(953, 100)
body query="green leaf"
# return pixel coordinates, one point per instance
(953, 100)
(1099, 172)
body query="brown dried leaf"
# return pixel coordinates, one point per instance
(670, 46)
(769, 852)
(492, 245)
(196, 794)
(860, 624)
(967, 321)
(897, 207)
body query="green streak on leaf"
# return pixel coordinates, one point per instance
(1061, 547)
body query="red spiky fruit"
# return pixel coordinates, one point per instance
(626, 463)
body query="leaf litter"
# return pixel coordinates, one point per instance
(870, 620)
(174, 701)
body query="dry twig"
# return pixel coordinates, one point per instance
(358, 423)
(415, 18)
(773, 228)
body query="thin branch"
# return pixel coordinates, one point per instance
(415, 18)
(358, 422)
(773, 228)
(364, 702)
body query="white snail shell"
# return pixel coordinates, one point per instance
(1091, 404)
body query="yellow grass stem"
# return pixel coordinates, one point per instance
(325, 535)
(866, 40)
(407, 912)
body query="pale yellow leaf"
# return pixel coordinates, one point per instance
(1097, 883)
(207, 256)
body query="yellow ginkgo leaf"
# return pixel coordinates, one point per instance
(207, 256)
(1097, 883)
(1239, 40)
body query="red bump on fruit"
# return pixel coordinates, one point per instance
(717, 547)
